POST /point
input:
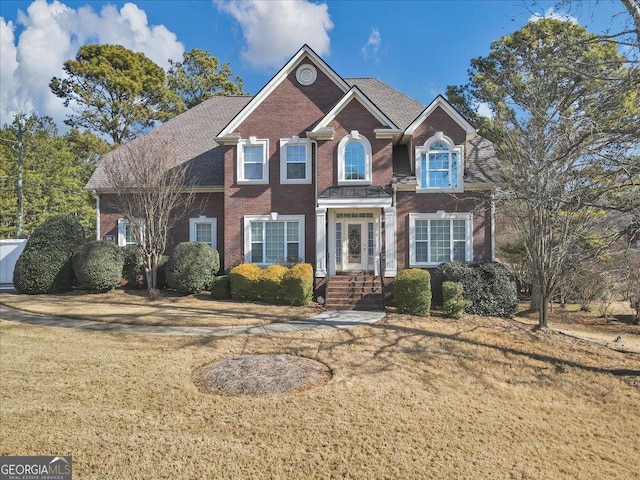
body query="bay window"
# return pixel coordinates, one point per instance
(439, 164)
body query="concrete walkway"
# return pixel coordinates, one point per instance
(325, 321)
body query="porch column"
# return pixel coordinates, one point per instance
(390, 264)
(321, 242)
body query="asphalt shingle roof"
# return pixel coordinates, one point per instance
(401, 109)
(192, 133)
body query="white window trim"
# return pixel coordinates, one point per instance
(354, 135)
(213, 222)
(253, 141)
(284, 142)
(468, 217)
(122, 233)
(274, 217)
(453, 148)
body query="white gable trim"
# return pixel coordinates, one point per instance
(284, 72)
(441, 102)
(354, 93)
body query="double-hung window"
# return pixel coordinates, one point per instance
(354, 160)
(440, 237)
(203, 229)
(274, 239)
(126, 233)
(253, 161)
(295, 160)
(439, 164)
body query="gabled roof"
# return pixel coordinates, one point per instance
(354, 94)
(441, 102)
(305, 51)
(192, 134)
(400, 108)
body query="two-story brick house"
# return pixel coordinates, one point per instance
(347, 174)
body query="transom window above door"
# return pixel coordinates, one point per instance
(439, 164)
(354, 160)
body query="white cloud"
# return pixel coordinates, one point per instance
(52, 33)
(551, 13)
(372, 47)
(275, 30)
(485, 110)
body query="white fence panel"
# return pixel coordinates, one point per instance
(10, 250)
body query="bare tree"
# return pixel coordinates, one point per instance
(152, 190)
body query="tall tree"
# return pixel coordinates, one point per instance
(152, 191)
(200, 76)
(114, 92)
(563, 102)
(53, 175)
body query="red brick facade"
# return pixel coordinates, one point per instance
(291, 109)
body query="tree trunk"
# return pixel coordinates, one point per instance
(543, 315)
(536, 296)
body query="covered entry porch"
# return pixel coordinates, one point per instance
(355, 231)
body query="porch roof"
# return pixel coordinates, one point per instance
(361, 196)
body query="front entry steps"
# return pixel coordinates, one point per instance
(355, 291)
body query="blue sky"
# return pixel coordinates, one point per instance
(419, 47)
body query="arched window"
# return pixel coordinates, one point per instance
(439, 164)
(354, 160)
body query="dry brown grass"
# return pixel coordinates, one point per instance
(260, 374)
(410, 398)
(171, 309)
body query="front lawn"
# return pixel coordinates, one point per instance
(409, 398)
(135, 307)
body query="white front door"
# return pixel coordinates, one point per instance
(355, 245)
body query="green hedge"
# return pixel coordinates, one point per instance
(245, 281)
(191, 267)
(98, 266)
(274, 284)
(454, 302)
(412, 292)
(133, 269)
(221, 288)
(45, 263)
(489, 288)
(297, 285)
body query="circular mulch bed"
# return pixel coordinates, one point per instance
(260, 374)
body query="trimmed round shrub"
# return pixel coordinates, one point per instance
(412, 292)
(270, 283)
(192, 266)
(489, 288)
(221, 288)
(98, 266)
(245, 281)
(296, 287)
(454, 302)
(45, 263)
(133, 269)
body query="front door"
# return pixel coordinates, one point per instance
(354, 245)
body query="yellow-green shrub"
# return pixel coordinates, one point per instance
(412, 292)
(270, 283)
(297, 285)
(245, 281)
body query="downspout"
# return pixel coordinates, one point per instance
(97, 215)
(493, 227)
